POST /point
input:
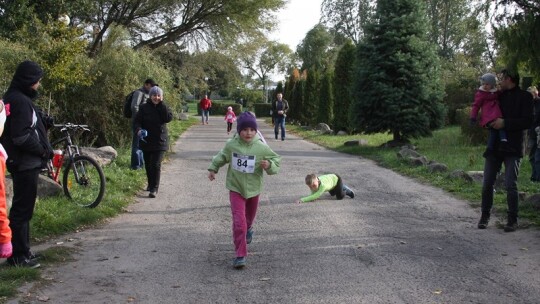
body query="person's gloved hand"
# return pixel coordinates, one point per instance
(6, 250)
(142, 134)
(472, 122)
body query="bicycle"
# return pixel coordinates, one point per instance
(83, 180)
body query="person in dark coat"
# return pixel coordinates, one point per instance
(151, 126)
(517, 109)
(28, 149)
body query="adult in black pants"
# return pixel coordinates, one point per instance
(28, 149)
(152, 119)
(517, 109)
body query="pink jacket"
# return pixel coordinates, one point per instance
(5, 231)
(488, 103)
(230, 117)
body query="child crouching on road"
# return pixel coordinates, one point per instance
(328, 182)
(247, 157)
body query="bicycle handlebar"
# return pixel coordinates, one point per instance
(69, 126)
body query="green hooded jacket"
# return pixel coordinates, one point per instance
(244, 174)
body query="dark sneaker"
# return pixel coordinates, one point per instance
(152, 194)
(511, 226)
(350, 193)
(239, 262)
(34, 255)
(484, 220)
(23, 262)
(249, 235)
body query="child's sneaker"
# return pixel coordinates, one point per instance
(239, 262)
(348, 192)
(249, 235)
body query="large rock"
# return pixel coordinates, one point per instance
(103, 155)
(417, 161)
(47, 187)
(437, 167)
(460, 174)
(342, 133)
(534, 201)
(324, 128)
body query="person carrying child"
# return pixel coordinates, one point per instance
(486, 100)
(230, 117)
(247, 157)
(328, 182)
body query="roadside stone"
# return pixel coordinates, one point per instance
(477, 176)
(358, 142)
(183, 116)
(324, 128)
(437, 167)
(417, 161)
(47, 187)
(406, 152)
(534, 201)
(103, 155)
(460, 174)
(341, 133)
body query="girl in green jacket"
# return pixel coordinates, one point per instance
(247, 157)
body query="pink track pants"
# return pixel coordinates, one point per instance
(243, 215)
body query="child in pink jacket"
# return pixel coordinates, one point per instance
(486, 100)
(230, 117)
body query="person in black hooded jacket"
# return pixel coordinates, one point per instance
(28, 149)
(153, 117)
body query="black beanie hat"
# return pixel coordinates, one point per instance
(28, 73)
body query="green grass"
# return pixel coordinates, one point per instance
(445, 146)
(56, 216)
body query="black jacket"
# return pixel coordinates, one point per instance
(25, 137)
(275, 110)
(517, 109)
(153, 118)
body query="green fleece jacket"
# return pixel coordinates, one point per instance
(326, 183)
(244, 174)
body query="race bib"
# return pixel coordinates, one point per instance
(243, 163)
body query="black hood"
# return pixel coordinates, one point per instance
(27, 74)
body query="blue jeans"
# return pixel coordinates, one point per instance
(495, 134)
(279, 121)
(137, 161)
(204, 115)
(492, 166)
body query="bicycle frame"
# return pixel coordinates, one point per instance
(69, 149)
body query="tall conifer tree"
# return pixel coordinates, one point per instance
(342, 82)
(397, 87)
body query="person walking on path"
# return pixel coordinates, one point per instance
(6, 249)
(247, 157)
(26, 143)
(205, 105)
(139, 97)
(327, 182)
(152, 119)
(517, 109)
(230, 118)
(279, 113)
(534, 152)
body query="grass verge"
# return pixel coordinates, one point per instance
(56, 216)
(445, 146)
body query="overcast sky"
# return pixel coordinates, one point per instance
(296, 19)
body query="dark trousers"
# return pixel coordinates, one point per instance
(492, 166)
(229, 127)
(152, 164)
(24, 199)
(279, 123)
(338, 190)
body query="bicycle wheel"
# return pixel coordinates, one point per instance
(84, 182)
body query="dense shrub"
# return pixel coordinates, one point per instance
(262, 109)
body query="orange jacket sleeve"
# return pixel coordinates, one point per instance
(5, 231)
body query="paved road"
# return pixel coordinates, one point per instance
(398, 241)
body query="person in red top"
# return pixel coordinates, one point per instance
(205, 104)
(6, 248)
